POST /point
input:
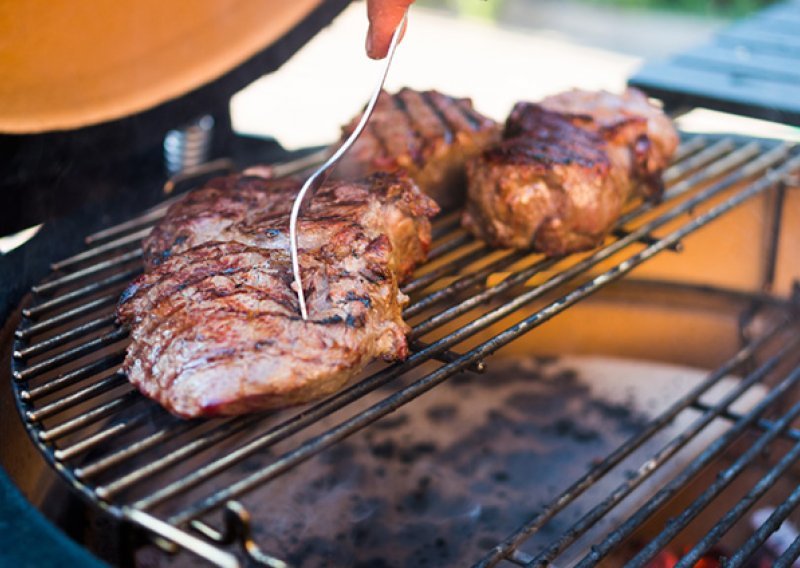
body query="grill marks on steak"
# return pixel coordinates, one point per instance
(541, 191)
(560, 178)
(206, 213)
(254, 211)
(215, 324)
(626, 121)
(427, 134)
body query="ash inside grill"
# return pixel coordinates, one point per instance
(442, 481)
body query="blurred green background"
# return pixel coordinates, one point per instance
(717, 8)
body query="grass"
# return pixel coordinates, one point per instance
(730, 8)
(724, 8)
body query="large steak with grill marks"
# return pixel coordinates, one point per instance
(215, 325)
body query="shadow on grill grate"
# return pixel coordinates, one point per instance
(140, 464)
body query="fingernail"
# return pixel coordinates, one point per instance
(369, 42)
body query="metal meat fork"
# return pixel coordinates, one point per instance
(316, 179)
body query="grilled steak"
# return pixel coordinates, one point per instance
(215, 325)
(427, 134)
(629, 121)
(559, 179)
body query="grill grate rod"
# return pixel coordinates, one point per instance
(149, 217)
(230, 428)
(741, 507)
(449, 246)
(463, 283)
(482, 297)
(772, 524)
(319, 443)
(615, 458)
(90, 416)
(445, 270)
(89, 271)
(101, 249)
(703, 158)
(447, 224)
(762, 424)
(66, 337)
(464, 332)
(86, 472)
(77, 397)
(732, 160)
(519, 558)
(64, 317)
(139, 222)
(77, 294)
(73, 376)
(107, 433)
(726, 476)
(651, 465)
(71, 354)
(689, 147)
(788, 558)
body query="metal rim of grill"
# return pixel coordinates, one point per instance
(76, 404)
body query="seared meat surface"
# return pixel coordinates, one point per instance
(561, 176)
(426, 134)
(215, 325)
(627, 121)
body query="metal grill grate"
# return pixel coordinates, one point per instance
(139, 463)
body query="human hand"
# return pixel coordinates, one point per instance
(384, 17)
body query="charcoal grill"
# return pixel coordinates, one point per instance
(159, 475)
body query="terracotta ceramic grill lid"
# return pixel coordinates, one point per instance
(65, 65)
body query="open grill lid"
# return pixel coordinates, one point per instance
(67, 67)
(93, 157)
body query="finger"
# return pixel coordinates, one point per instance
(384, 17)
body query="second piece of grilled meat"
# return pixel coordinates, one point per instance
(628, 122)
(215, 325)
(559, 180)
(427, 134)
